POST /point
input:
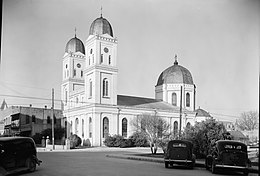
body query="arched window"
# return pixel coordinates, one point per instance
(143, 126)
(71, 127)
(175, 128)
(66, 96)
(90, 127)
(82, 127)
(101, 58)
(76, 126)
(90, 88)
(187, 100)
(66, 126)
(33, 118)
(109, 59)
(77, 100)
(105, 87)
(124, 127)
(160, 128)
(174, 99)
(105, 127)
(188, 125)
(48, 119)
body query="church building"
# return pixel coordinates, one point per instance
(91, 104)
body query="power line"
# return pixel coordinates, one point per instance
(83, 102)
(225, 115)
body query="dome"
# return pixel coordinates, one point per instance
(75, 45)
(175, 74)
(202, 113)
(100, 26)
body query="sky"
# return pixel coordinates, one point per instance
(216, 40)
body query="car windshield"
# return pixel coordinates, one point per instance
(237, 147)
(231, 146)
(179, 145)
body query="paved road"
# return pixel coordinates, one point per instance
(97, 164)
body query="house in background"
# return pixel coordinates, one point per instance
(27, 121)
(239, 136)
(202, 115)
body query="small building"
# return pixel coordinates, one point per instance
(238, 136)
(201, 115)
(27, 121)
(229, 125)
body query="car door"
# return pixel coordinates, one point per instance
(7, 156)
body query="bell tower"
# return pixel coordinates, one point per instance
(101, 64)
(72, 70)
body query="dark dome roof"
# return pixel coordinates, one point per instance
(175, 74)
(201, 112)
(75, 45)
(100, 26)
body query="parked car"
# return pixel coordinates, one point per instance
(17, 154)
(227, 154)
(179, 152)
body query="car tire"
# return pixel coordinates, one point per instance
(31, 164)
(245, 173)
(191, 166)
(206, 164)
(213, 168)
(166, 164)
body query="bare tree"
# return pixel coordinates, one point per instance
(153, 127)
(248, 121)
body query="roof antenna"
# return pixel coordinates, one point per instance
(75, 32)
(101, 11)
(175, 62)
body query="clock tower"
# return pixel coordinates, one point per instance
(73, 67)
(101, 64)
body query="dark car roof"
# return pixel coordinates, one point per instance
(181, 141)
(6, 139)
(221, 143)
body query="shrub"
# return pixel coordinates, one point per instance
(139, 139)
(113, 141)
(75, 141)
(118, 139)
(37, 138)
(126, 143)
(86, 142)
(58, 133)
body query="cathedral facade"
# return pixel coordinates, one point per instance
(91, 104)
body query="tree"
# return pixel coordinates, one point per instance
(203, 136)
(248, 121)
(152, 127)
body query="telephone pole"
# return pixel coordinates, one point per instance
(52, 124)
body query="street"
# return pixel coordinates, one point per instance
(96, 163)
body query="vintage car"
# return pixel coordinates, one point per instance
(228, 154)
(179, 152)
(17, 154)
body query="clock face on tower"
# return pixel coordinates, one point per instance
(106, 50)
(78, 65)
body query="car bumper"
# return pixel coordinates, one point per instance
(231, 167)
(178, 161)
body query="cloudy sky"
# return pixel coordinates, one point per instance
(216, 40)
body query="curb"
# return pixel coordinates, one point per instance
(197, 164)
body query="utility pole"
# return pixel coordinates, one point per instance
(52, 124)
(180, 113)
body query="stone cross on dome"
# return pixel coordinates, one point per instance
(175, 62)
